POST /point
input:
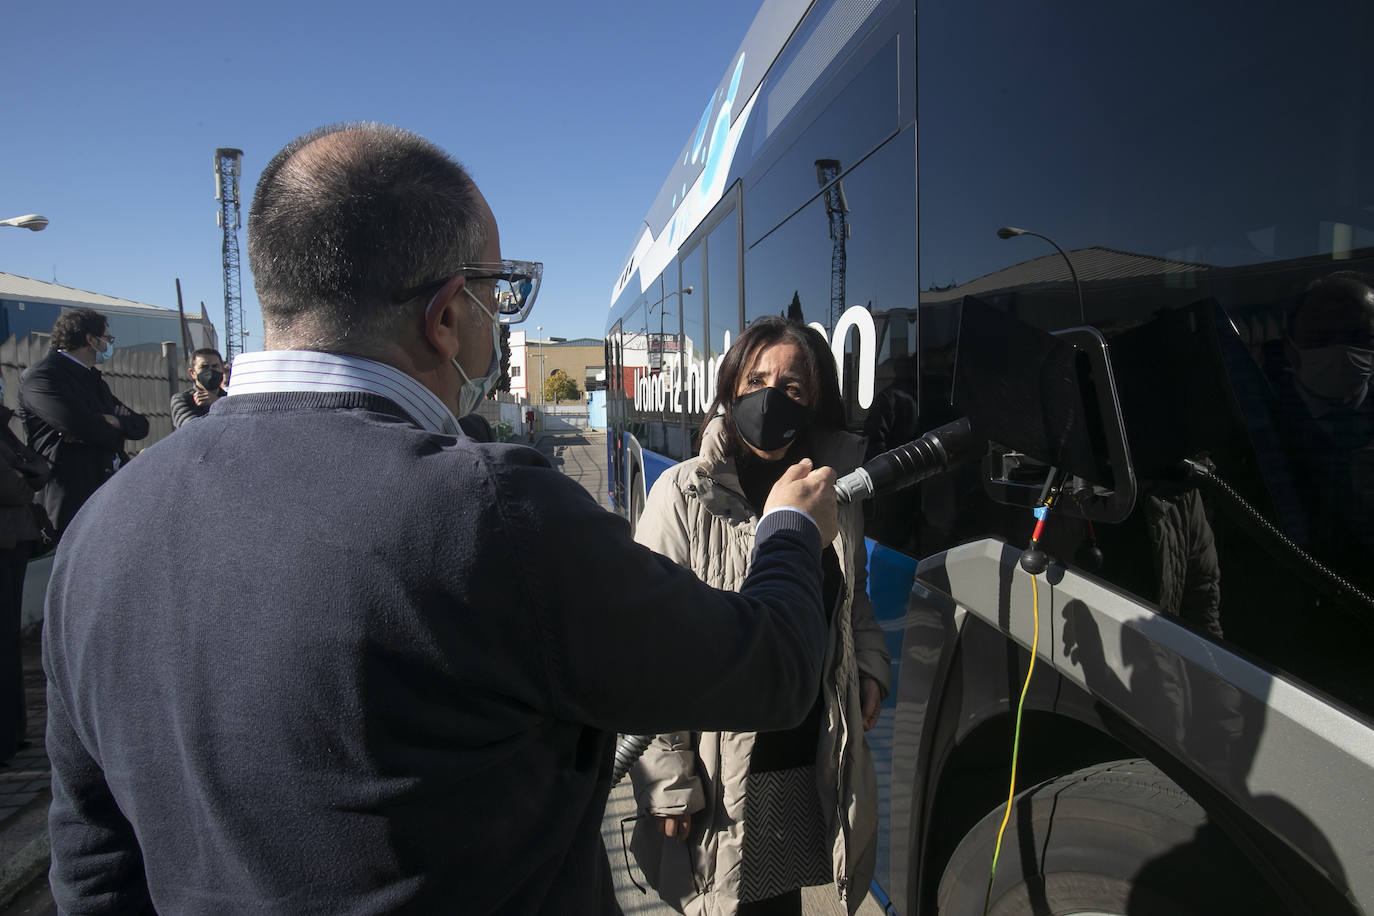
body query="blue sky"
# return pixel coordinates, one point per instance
(569, 120)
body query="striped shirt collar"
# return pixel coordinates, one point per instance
(271, 371)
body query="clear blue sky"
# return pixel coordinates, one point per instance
(569, 116)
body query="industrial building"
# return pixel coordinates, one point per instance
(29, 306)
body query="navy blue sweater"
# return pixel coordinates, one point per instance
(391, 683)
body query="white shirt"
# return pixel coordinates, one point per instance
(271, 371)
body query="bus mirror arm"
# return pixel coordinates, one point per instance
(931, 454)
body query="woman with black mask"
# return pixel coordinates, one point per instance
(739, 822)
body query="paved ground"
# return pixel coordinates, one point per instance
(24, 796)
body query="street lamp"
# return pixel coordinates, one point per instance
(540, 329)
(1007, 232)
(660, 304)
(30, 221)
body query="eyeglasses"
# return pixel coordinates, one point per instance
(516, 284)
(109, 338)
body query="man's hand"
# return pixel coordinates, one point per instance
(675, 825)
(813, 492)
(871, 697)
(203, 397)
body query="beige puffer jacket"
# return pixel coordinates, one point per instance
(697, 515)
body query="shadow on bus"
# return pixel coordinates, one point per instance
(1215, 728)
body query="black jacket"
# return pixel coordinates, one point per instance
(62, 406)
(184, 407)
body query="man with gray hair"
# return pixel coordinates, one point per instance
(407, 695)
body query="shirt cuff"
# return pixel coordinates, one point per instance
(794, 509)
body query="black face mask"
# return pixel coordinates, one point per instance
(768, 419)
(209, 379)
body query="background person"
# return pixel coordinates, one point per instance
(22, 473)
(207, 371)
(72, 418)
(408, 700)
(758, 811)
(1325, 416)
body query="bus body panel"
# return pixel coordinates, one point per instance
(1144, 680)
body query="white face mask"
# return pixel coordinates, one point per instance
(473, 390)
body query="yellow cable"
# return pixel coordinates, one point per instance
(1016, 739)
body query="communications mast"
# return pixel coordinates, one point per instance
(228, 168)
(837, 213)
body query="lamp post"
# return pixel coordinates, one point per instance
(540, 329)
(662, 307)
(30, 221)
(685, 291)
(1007, 232)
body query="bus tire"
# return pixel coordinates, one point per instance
(636, 501)
(1117, 838)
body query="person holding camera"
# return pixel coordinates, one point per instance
(207, 371)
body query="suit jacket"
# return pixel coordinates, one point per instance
(62, 405)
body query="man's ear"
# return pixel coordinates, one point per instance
(443, 327)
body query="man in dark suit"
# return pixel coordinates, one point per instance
(72, 418)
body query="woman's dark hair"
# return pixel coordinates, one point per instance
(824, 394)
(70, 329)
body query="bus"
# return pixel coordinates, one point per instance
(1177, 715)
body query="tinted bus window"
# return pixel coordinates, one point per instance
(723, 254)
(1198, 204)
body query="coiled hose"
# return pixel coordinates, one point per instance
(1343, 586)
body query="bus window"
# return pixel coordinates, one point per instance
(695, 382)
(665, 363)
(846, 258)
(722, 258)
(1198, 286)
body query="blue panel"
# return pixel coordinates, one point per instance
(890, 577)
(654, 464)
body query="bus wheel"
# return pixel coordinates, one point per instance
(1110, 840)
(636, 502)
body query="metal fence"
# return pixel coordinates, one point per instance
(144, 380)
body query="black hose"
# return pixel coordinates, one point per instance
(627, 751)
(1342, 585)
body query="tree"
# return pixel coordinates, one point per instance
(559, 387)
(503, 383)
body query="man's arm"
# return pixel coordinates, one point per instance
(183, 409)
(53, 398)
(133, 425)
(650, 648)
(97, 866)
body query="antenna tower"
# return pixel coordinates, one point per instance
(228, 168)
(837, 213)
